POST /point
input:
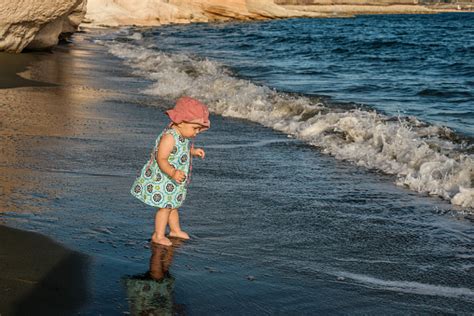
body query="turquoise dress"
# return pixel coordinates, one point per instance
(155, 187)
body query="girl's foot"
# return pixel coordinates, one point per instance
(179, 234)
(160, 240)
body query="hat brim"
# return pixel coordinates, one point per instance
(178, 117)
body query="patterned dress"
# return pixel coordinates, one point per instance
(155, 187)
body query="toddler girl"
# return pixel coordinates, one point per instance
(163, 180)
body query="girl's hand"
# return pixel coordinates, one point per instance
(178, 176)
(199, 152)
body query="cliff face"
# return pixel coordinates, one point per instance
(156, 12)
(37, 24)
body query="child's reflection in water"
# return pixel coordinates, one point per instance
(152, 293)
(161, 258)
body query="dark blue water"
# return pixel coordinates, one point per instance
(420, 65)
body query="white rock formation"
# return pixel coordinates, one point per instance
(37, 24)
(158, 12)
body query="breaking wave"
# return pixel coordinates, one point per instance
(425, 158)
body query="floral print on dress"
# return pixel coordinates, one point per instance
(149, 188)
(158, 177)
(157, 197)
(169, 187)
(137, 188)
(148, 173)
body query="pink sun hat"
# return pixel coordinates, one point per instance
(190, 110)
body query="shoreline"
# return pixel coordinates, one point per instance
(355, 10)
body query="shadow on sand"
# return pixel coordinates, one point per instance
(39, 276)
(12, 65)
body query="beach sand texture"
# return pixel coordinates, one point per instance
(75, 130)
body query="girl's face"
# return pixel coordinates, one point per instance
(189, 130)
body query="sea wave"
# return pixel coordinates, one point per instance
(410, 286)
(425, 158)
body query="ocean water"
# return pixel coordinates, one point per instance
(306, 204)
(390, 93)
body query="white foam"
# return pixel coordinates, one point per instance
(422, 160)
(410, 286)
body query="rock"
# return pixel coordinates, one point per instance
(72, 21)
(37, 24)
(157, 12)
(47, 36)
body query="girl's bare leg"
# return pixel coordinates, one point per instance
(161, 220)
(175, 228)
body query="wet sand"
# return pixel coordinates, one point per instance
(41, 100)
(12, 65)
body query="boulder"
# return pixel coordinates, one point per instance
(37, 24)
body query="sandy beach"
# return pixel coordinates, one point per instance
(287, 230)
